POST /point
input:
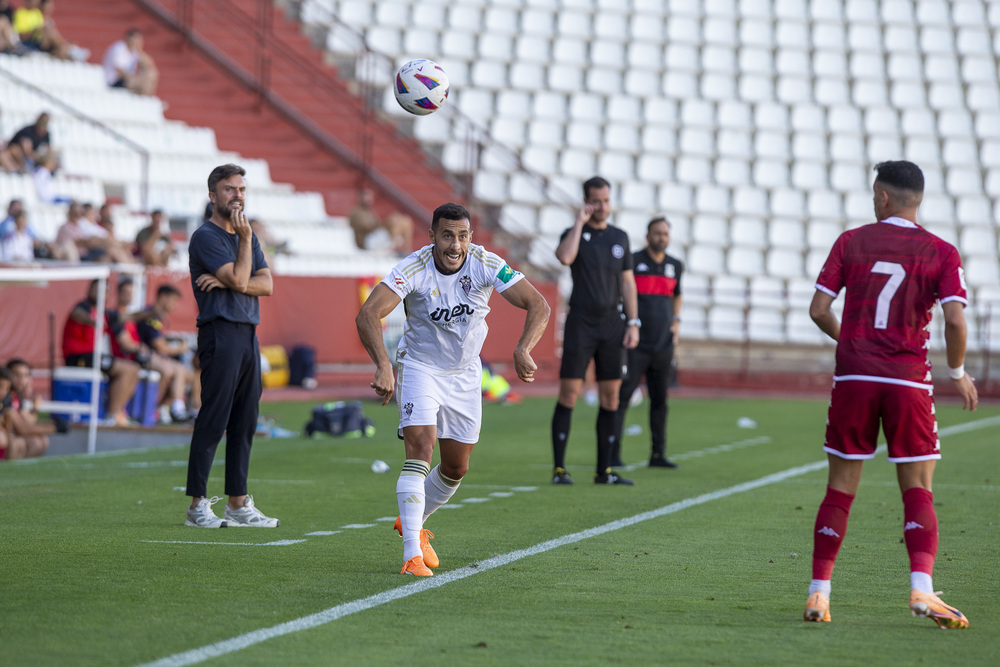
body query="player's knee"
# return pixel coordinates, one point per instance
(454, 470)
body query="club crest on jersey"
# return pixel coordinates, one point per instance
(408, 409)
(617, 251)
(466, 283)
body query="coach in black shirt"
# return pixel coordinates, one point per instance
(658, 283)
(228, 275)
(601, 323)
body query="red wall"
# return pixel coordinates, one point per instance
(316, 311)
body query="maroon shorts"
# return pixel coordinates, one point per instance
(906, 413)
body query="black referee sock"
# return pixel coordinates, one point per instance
(560, 433)
(606, 420)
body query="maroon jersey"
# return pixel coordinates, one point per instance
(894, 272)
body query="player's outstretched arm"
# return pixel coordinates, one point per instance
(954, 340)
(822, 315)
(524, 295)
(379, 303)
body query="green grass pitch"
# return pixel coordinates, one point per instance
(687, 567)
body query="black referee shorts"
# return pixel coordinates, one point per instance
(597, 337)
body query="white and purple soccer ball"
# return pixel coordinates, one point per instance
(421, 87)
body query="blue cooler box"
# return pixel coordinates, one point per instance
(72, 384)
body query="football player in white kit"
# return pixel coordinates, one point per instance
(445, 287)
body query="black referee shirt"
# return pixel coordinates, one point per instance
(657, 285)
(597, 269)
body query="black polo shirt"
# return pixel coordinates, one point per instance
(597, 269)
(657, 284)
(210, 248)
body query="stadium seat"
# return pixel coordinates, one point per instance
(639, 195)
(732, 171)
(750, 201)
(756, 60)
(697, 141)
(786, 233)
(675, 197)
(708, 259)
(787, 202)
(695, 286)
(745, 261)
(735, 143)
(748, 231)
(974, 210)
(692, 169)
(726, 323)
(710, 229)
(655, 168)
(766, 325)
(976, 240)
(659, 139)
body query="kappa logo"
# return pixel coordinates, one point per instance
(448, 314)
(912, 525)
(466, 283)
(586, 236)
(408, 409)
(826, 530)
(642, 266)
(617, 251)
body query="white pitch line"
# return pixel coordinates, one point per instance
(227, 646)
(279, 543)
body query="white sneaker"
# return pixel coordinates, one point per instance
(202, 515)
(248, 515)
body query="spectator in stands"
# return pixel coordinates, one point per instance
(9, 41)
(11, 446)
(44, 174)
(17, 238)
(127, 343)
(36, 27)
(270, 244)
(371, 232)
(34, 140)
(127, 65)
(166, 354)
(153, 247)
(92, 241)
(24, 411)
(78, 350)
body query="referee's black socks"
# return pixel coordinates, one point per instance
(560, 433)
(606, 420)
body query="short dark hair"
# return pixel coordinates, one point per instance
(132, 32)
(123, 281)
(594, 183)
(5, 375)
(658, 219)
(900, 174)
(222, 172)
(167, 290)
(449, 211)
(15, 362)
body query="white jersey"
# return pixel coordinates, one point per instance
(446, 314)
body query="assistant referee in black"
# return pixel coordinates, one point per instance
(601, 324)
(658, 284)
(228, 275)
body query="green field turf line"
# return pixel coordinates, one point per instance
(249, 639)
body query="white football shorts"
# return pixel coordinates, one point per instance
(450, 400)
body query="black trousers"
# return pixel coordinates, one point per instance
(230, 400)
(655, 365)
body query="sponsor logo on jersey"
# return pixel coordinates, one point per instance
(506, 273)
(617, 251)
(400, 282)
(826, 530)
(448, 314)
(466, 283)
(911, 525)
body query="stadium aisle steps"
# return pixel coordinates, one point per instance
(197, 93)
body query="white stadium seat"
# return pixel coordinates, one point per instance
(748, 231)
(730, 290)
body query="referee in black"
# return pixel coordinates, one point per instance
(228, 275)
(602, 322)
(658, 284)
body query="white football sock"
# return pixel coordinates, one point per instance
(820, 585)
(438, 490)
(921, 581)
(410, 499)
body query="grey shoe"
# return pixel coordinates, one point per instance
(202, 515)
(248, 515)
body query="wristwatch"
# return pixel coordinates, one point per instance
(635, 322)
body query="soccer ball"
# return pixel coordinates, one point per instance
(421, 87)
